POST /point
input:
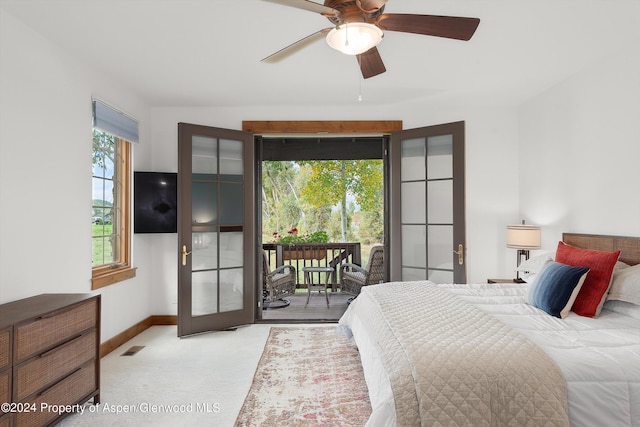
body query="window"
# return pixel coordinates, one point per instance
(110, 221)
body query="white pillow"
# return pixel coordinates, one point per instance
(625, 285)
(530, 268)
(620, 265)
(623, 307)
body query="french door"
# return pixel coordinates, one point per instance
(427, 207)
(216, 235)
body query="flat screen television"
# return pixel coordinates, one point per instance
(155, 202)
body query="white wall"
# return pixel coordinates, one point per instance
(580, 153)
(45, 175)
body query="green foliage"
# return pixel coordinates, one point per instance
(293, 236)
(280, 202)
(318, 237)
(101, 244)
(103, 147)
(331, 180)
(371, 229)
(303, 195)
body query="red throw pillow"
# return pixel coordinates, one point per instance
(595, 287)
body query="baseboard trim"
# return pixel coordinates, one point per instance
(124, 336)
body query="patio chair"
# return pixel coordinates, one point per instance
(353, 277)
(277, 284)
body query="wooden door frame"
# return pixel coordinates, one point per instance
(339, 127)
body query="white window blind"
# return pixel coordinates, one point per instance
(115, 122)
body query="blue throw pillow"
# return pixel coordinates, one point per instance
(556, 287)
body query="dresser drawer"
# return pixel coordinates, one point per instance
(5, 348)
(5, 387)
(52, 365)
(72, 389)
(41, 334)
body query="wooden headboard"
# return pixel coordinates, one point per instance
(629, 246)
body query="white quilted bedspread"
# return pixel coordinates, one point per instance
(451, 364)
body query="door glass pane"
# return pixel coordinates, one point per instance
(412, 196)
(440, 244)
(438, 276)
(440, 156)
(231, 249)
(231, 159)
(231, 203)
(409, 274)
(412, 160)
(231, 290)
(204, 155)
(440, 202)
(205, 251)
(413, 246)
(204, 202)
(204, 293)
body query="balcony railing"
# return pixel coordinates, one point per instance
(313, 255)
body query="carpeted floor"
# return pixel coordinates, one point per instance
(200, 380)
(307, 377)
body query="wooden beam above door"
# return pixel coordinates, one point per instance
(265, 127)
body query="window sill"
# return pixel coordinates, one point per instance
(111, 277)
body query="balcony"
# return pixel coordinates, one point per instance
(313, 255)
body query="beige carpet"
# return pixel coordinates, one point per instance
(197, 381)
(307, 377)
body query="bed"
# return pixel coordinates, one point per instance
(492, 354)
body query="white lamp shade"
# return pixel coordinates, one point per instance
(523, 236)
(354, 38)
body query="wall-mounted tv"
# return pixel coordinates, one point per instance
(155, 202)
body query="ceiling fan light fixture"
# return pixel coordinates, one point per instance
(354, 38)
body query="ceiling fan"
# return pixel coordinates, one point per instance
(358, 28)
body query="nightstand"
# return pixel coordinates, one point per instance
(505, 281)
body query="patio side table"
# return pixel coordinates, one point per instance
(321, 287)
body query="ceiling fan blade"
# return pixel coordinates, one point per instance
(371, 63)
(451, 27)
(308, 5)
(295, 47)
(370, 5)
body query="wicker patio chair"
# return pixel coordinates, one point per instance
(353, 277)
(277, 284)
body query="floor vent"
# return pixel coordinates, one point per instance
(133, 350)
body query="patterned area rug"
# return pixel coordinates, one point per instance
(307, 377)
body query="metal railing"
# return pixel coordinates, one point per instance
(313, 255)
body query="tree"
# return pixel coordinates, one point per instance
(104, 155)
(371, 228)
(103, 148)
(330, 182)
(280, 201)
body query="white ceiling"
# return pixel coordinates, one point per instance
(207, 52)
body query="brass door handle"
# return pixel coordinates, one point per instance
(460, 253)
(184, 254)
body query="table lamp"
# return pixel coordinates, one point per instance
(523, 238)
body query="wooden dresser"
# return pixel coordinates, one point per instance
(49, 357)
